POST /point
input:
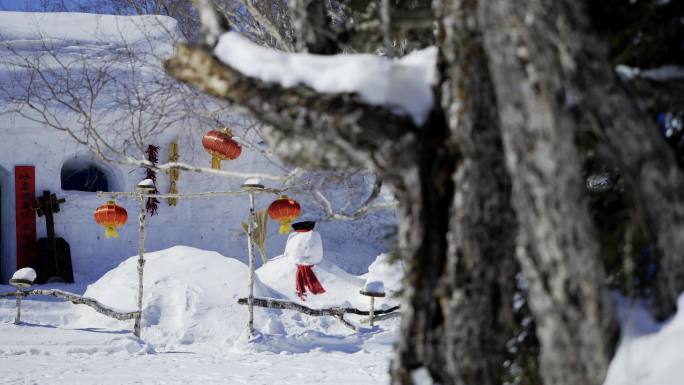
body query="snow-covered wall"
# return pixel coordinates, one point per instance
(207, 223)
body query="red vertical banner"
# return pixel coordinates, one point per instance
(25, 194)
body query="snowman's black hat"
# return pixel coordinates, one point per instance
(303, 226)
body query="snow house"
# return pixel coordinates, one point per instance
(54, 145)
(60, 144)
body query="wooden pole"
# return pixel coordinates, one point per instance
(17, 319)
(250, 251)
(141, 262)
(372, 310)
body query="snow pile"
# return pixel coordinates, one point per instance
(190, 299)
(649, 354)
(26, 273)
(403, 85)
(341, 288)
(195, 328)
(658, 74)
(190, 296)
(388, 271)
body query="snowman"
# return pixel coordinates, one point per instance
(305, 248)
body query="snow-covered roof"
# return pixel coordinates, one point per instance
(403, 85)
(24, 29)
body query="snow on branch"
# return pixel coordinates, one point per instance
(189, 167)
(346, 129)
(403, 86)
(75, 299)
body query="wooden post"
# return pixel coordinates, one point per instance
(250, 251)
(372, 310)
(17, 319)
(372, 295)
(141, 262)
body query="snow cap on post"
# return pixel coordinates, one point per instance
(23, 277)
(145, 186)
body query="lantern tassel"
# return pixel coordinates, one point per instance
(284, 228)
(215, 163)
(110, 232)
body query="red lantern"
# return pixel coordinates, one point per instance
(111, 216)
(284, 210)
(221, 146)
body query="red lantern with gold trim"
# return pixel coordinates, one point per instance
(284, 210)
(221, 145)
(111, 216)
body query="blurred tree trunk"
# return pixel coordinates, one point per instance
(462, 310)
(529, 52)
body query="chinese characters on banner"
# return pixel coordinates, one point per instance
(25, 190)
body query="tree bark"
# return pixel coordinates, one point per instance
(466, 343)
(313, 28)
(558, 251)
(649, 168)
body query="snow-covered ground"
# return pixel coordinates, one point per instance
(649, 353)
(194, 332)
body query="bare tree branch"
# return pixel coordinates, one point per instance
(75, 299)
(342, 122)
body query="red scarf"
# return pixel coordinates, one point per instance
(306, 279)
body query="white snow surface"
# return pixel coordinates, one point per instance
(403, 85)
(304, 248)
(341, 288)
(193, 331)
(659, 74)
(649, 353)
(22, 29)
(388, 271)
(26, 273)
(189, 294)
(146, 183)
(376, 287)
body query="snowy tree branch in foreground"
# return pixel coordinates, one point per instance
(75, 299)
(340, 120)
(225, 173)
(337, 312)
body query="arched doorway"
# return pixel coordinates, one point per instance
(83, 175)
(87, 173)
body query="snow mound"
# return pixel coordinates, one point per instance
(403, 85)
(190, 296)
(649, 354)
(387, 271)
(341, 288)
